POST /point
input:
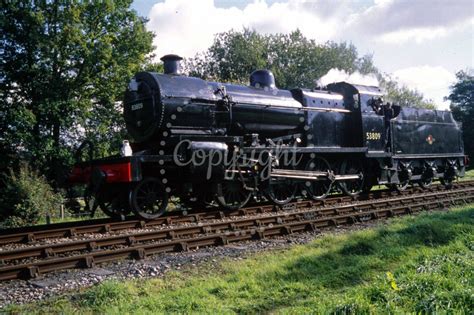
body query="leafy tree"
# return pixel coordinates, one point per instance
(403, 96)
(65, 66)
(153, 67)
(462, 106)
(295, 60)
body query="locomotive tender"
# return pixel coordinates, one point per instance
(207, 141)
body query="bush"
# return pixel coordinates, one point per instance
(27, 198)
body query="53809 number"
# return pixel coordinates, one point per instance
(373, 135)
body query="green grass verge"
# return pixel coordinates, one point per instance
(414, 264)
(469, 175)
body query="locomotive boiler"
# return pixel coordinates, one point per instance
(206, 143)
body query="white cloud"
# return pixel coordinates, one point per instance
(433, 82)
(186, 27)
(416, 34)
(393, 21)
(422, 34)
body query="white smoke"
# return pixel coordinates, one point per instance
(336, 75)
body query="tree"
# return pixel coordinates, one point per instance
(295, 60)
(65, 66)
(403, 96)
(462, 106)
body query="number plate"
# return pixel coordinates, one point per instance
(373, 135)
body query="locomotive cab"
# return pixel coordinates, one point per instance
(369, 128)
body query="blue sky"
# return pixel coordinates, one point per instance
(420, 42)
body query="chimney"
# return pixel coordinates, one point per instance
(171, 64)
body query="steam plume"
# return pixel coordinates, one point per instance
(336, 75)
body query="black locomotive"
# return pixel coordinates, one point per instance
(207, 142)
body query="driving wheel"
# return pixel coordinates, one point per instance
(352, 187)
(232, 195)
(280, 191)
(318, 189)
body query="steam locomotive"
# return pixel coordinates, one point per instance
(209, 142)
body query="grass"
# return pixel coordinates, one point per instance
(413, 264)
(469, 175)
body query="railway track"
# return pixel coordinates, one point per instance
(33, 261)
(33, 234)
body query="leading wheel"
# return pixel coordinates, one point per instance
(318, 189)
(232, 195)
(352, 187)
(149, 199)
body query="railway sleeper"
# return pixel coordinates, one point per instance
(286, 230)
(353, 219)
(31, 272)
(91, 246)
(30, 238)
(311, 227)
(206, 229)
(88, 262)
(223, 240)
(139, 253)
(131, 240)
(48, 253)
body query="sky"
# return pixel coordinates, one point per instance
(421, 43)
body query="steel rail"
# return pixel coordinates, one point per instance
(253, 228)
(51, 250)
(69, 229)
